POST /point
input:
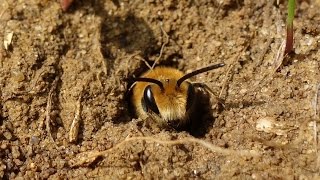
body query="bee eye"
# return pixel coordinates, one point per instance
(148, 101)
(190, 98)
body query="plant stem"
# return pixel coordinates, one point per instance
(290, 17)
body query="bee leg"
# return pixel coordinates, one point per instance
(221, 102)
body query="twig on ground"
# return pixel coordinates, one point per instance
(129, 59)
(48, 109)
(278, 60)
(74, 128)
(75, 125)
(146, 63)
(89, 157)
(162, 47)
(158, 59)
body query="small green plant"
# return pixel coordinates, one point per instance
(289, 40)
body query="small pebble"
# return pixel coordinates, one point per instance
(15, 152)
(34, 140)
(7, 135)
(18, 76)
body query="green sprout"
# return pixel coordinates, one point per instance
(289, 40)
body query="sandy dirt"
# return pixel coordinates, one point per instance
(64, 77)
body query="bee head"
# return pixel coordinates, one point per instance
(170, 100)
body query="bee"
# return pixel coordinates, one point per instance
(166, 95)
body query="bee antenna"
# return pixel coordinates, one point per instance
(150, 80)
(199, 71)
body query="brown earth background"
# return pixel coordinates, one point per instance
(70, 69)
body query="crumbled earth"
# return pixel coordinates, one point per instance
(64, 78)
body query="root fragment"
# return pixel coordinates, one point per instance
(278, 60)
(48, 109)
(74, 128)
(89, 157)
(162, 47)
(75, 125)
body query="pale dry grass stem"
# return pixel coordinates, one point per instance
(89, 157)
(162, 47)
(48, 109)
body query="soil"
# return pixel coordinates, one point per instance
(64, 78)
